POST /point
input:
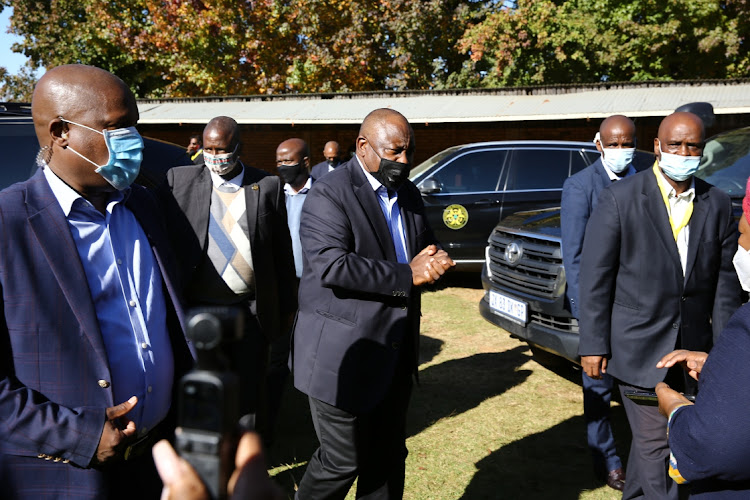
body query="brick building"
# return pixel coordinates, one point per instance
(446, 118)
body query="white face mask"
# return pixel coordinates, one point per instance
(741, 263)
(677, 167)
(615, 159)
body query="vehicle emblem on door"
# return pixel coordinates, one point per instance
(513, 252)
(455, 216)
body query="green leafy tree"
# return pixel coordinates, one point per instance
(545, 42)
(226, 47)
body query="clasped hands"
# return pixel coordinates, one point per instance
(429, 265)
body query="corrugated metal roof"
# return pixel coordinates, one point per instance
(493, 105)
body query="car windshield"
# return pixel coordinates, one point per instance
(726, 161)
(420, 169)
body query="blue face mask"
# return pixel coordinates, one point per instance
(125, 147)
(677, 167)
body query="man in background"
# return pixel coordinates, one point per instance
(656, 275)
(332, 154)
(616, 143)
(228, 221)
(195, 149)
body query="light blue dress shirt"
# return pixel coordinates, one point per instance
(126, 288)
(294, 201)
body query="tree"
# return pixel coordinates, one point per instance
(225, 47)
(545, 42)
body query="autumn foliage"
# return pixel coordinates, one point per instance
(176, 48)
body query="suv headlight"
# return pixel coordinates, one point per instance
(560, 282)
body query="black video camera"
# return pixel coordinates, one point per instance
(208, 412)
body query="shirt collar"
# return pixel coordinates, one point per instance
(288, 189)
(666, 187)
(66, 195)
(235, 181)
(372, 180)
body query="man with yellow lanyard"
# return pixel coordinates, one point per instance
(656, 275)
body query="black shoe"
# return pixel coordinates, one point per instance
(616, 479)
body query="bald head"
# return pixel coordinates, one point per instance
(70, 106)
(617, 125)
(294, 146)
(684, 121)
(293, 162)
(79, 93)
(224, 129)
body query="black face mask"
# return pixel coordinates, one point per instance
(332, 163)
(392, 174)
(291, 174)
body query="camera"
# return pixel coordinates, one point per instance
(208, 402)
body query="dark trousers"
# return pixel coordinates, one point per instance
(597, 395)
(371, 446)
(649, 452)
(249, 359)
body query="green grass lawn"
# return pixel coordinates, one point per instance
(486, 421)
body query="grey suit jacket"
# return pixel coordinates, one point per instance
(187, 199)
(634, 300)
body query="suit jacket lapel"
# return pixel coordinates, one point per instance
(194, 197)
(657, 215)
(697, 222)
(407, 219)
(51, 229)
(371, 206)
(252, 199)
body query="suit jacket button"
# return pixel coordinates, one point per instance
(103, 384)
(395, 345)
(41, 455)
(675, 326)
(66, 461)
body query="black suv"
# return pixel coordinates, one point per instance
(467, 189)
(18, 140)
(523, 275)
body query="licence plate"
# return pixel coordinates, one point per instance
(515, 309)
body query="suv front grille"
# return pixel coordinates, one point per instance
(555, 322)
(537, 272)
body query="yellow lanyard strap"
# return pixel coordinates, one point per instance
(665, 188)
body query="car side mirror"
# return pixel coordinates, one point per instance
(430, 186)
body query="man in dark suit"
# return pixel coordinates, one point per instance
(332, 154)
(228, 223)
(656, 275)
(616, 142)
(91, 343)
(368, 249)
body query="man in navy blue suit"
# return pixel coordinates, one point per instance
(332, 154)
(616, 142)
(367, 251)
(91, 343)
(656, 275)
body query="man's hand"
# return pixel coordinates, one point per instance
(669, 399)
(429, 265)
(249, 480)
(691, 361)
(181, 482)
(112, 436)
(594, 366)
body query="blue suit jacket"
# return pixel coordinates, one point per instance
(321, 169)
(358, 311)
(52, 356)
(579, 196)
(711, 440)
(634, 299)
